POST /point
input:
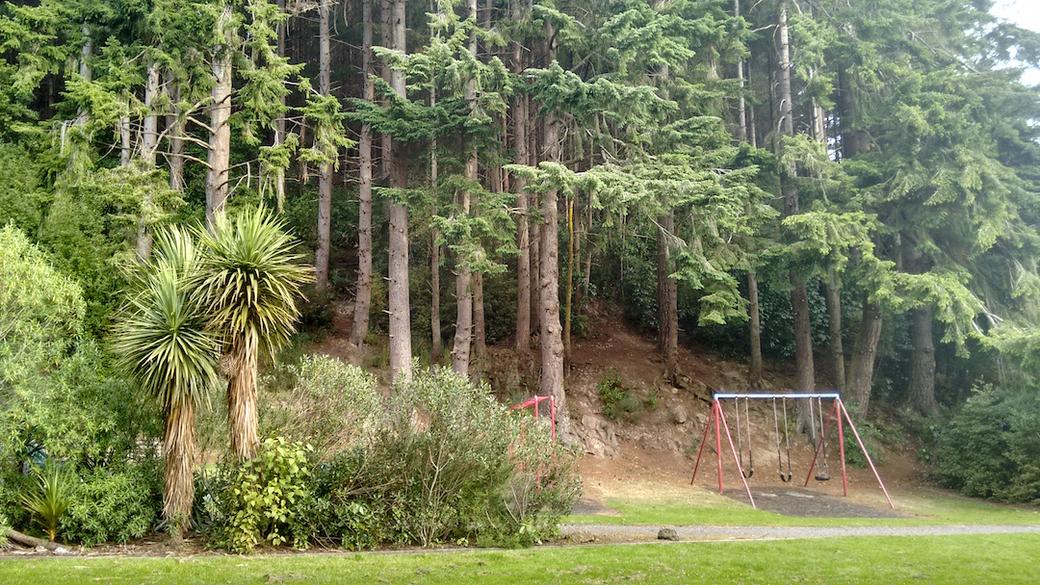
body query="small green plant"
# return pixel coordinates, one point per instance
(618, 402)
(268, 499)
(49, 498)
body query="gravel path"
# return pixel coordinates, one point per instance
(614, 533)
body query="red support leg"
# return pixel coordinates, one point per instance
(841, 447)
(862, 448)
(552, 416)
(700, 450)
(819, 446)
(736, 459)
(718, 441)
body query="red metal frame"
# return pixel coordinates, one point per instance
(533, 403)
(718, 418)
(840, 415)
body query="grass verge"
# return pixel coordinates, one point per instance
(950, 559)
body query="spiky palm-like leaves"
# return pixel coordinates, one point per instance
(49, 498)
(164, 342)
(250, 283)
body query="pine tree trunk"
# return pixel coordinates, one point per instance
(149, 143)
(175, 130)
(462, 347)
(321, 254)
(386, 12)
(125, 144)
(400, 317)
(479, 325)
(569, 286)
(437, 341)
(279, 127)
(667, 307)
(806, 376)
(179, 446)
(523, 236)
(219, 158)
(551, 339)
(922, 362)
(363, 296)
(837, 348)
(755, 367)
(861, 368)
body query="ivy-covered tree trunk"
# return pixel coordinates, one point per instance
(806, 376)
(219, 158)
(321, 253)
(400, 317)
(363, 296)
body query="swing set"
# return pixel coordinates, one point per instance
(836, 414)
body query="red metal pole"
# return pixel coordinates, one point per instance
(865, 454)
(552, 416)
(736, 460)
(718, 416)
(700, 450)
(841, 447)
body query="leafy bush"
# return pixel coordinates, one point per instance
(447, 463)
(113, 506)
(990, 447)
(48, 497)
(266, 499)
(618, 402)
(60, 397)
(330, 405)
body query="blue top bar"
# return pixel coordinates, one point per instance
(793, 395)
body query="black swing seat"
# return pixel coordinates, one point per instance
(785, 477)
(823, 476)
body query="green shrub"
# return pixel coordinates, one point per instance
(114, 506)
(618, 401)
(330, 405)
(990, 448)
(446, 463)
(267, 499)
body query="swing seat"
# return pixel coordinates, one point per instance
(749, 473)
(823, 476)
(785, 477)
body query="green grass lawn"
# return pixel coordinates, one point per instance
(922, 508)
(952, 559)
